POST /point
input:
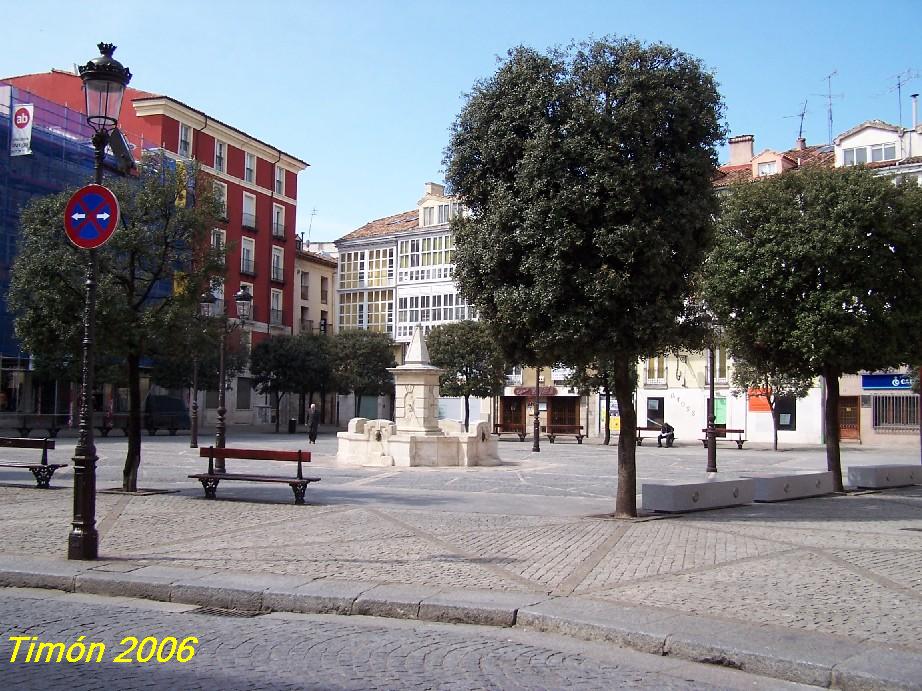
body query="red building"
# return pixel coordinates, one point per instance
(258, 182)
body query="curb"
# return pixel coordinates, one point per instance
(799, 656)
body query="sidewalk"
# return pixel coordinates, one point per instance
(822, 591)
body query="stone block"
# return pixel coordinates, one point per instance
(36, 572)
(881, 476)
(696, 496)
(396, 601)
(485, 607)
(769, 488)
(325, 596)
(227, 591)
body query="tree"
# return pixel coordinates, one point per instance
(472, 361)
(587, 176)
(290, 364)
(360, 362)
(819, 271)
(772, 384)
(161, 248)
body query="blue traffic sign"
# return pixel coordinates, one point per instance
(91, 216)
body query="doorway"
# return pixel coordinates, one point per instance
(850, 418)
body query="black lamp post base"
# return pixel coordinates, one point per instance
(83, 544)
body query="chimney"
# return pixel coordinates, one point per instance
(915, 110)
(435, 189)
(741, 149)
(801, 143)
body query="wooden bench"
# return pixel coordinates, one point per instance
(517, 428)
(106, 423)
(553, 431)
(721, 435)
(648, 433)
(30, 421)
(211, 479)
(42, 471)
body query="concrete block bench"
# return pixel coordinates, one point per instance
(770, 488)
(696, 496)
(880, 476)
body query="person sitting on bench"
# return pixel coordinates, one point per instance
(666, 432)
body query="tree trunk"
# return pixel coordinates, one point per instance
(133, 457)
(833, 458)
(278, 410)
(467, 412)
(358, 404)
(626, 499)
(775, 416)
(606, 382)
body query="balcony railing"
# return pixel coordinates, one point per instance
(278, 274)
(275, 317)
(248, 221)
(278, 230)
(248, 267)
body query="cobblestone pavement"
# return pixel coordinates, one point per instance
(289, 651)
(848, 566)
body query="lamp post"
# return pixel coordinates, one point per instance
(244, 302)
(711, 427)
(536, 445)
(104, 82)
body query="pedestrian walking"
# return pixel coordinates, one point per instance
(313, 421)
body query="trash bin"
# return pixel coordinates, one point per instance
(292, 424)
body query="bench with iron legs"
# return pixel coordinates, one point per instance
(721, 435)
(516, 428)
(556, 430)
(106, 423)
(214, 476)
(651, 433)
(43, 471)
(47, 421)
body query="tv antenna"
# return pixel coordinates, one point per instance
(311, 225)
(801, 114)
(829, 96)
(902, 79)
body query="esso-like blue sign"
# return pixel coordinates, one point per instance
(91, 216)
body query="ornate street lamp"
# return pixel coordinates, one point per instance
(244, 302)
(711, 412)
(536, 430)
(104, 82)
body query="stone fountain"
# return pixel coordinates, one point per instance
(416, 437)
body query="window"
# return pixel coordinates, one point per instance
(656, 370)
(247, 253)
(380, 266)
(351, 311)
(218, 238)
(896, 412)
(220, 196)
(278, 264)
(720, 364)
(443, 213)
(275, 307)
(305, 285)
(220, 154)
(427, 215)
(244, 389)
(185, 141)
(380, 310)
(248, 219)
(883, 152)
(278, 221)
(768, 168)
(514, 376)
(787, 413)
(324, 290)
(351, 270)
(279, 180)
(434, 253)
(856, 156)
(249, 167)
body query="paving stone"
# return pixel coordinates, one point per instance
(461, 606)
(398, 601)
(326, 596)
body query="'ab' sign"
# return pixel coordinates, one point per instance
(91, 216)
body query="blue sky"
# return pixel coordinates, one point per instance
(366, 91)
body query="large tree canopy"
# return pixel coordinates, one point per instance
(149, 278)
(360, 361)
(587, 176)
(819, 271)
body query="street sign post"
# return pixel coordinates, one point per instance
(91, 216)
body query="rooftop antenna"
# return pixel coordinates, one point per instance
(801, 114)
(902, 79)
(311, 225)
(829, 96)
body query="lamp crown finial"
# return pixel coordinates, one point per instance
(106, 49)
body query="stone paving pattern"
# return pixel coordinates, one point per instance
(849, 566)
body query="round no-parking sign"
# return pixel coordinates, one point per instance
(91, 216)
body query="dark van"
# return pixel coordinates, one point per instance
(165, 412)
